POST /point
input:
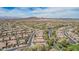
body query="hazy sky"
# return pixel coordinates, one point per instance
(49, 12)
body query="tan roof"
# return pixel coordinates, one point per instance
(11, 42)
(6, 38)
(2, 44)
(22, 41)
(1, 39)
(13, 37)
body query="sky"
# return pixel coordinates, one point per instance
(45, 12)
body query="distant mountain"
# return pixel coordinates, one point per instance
(34, 18)
(7, 17)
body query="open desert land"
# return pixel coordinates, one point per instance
(35, 34)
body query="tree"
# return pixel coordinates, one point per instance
(37, 47)
(72, 47)
(62, 43)
(50, 42)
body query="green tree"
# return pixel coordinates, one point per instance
(72, 47)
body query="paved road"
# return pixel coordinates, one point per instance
(10, 49)
(64, 31)
(30, 38)
(13, 49)
(71, 39)
(49, 32)
(29, 43)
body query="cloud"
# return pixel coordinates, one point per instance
(57, 12)
(16, 12)
(51, 12)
